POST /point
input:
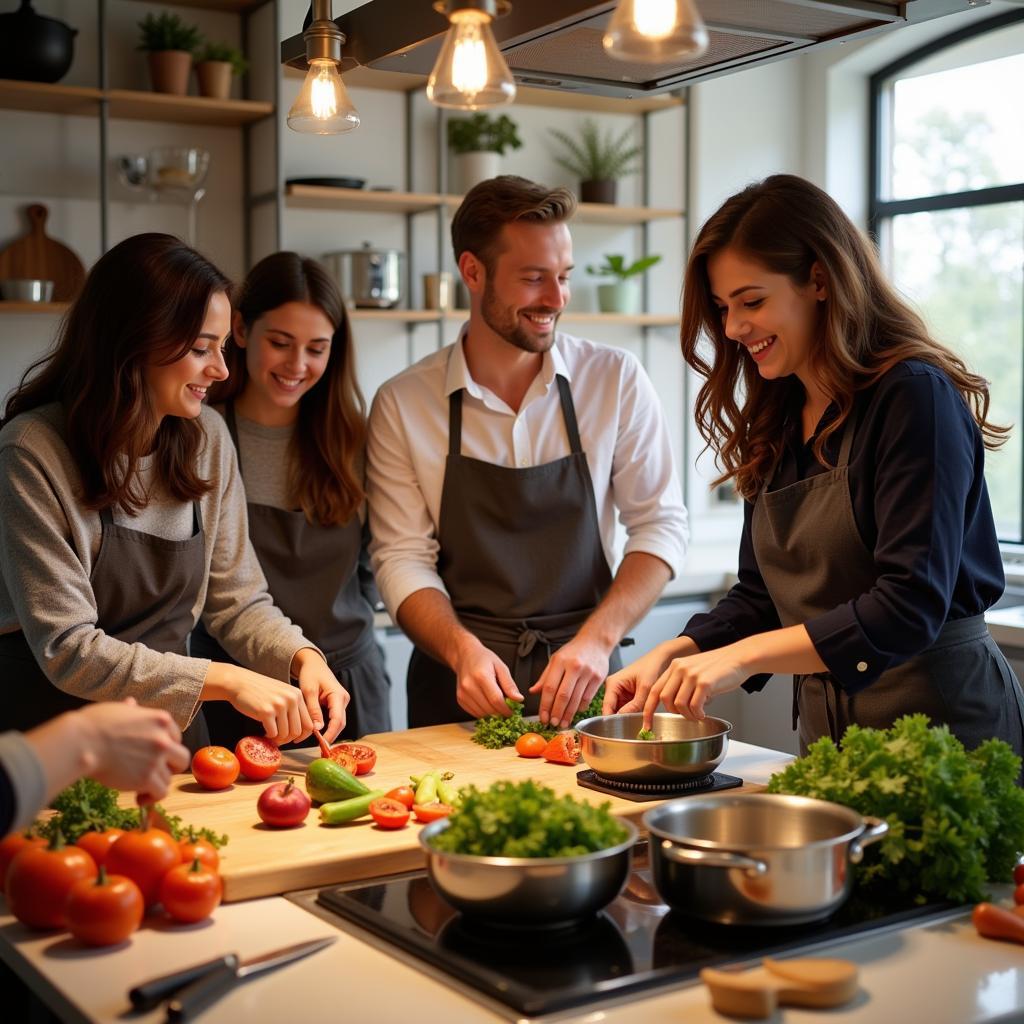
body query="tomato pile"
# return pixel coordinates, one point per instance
(995, 922)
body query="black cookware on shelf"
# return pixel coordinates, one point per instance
(34, 48)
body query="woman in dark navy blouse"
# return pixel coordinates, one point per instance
(869, 552)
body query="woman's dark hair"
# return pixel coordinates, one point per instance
(787, 225)
(142, 303)
(325, 471)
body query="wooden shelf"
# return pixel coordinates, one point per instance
(426, 316)
(51, 99)
(320, 198)
(233, 6)
(54, 308)
(409, 316)
(605, 213)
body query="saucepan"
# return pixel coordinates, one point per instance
(681, 749)
(756, 859)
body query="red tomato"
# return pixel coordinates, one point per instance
(12, 845)
(39, 879)
(345, 759)
(193, 846)
(283, 805)
(1018, 895)
(145, 857)
(258, 757)
(531, 744)
(562, 749)
(403, 794)
(389, 813)
(215, 767)
(106, 911)
(1018, 872)
(365, 756)
(431, 812)
(98, 844)
(190, 892)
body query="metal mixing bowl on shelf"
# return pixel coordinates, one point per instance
(26, 290)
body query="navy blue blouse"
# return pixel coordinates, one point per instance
(919, 498)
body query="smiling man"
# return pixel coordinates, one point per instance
(497, 467)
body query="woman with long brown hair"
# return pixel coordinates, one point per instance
(123, 517)
(297, 419)
(869, 554)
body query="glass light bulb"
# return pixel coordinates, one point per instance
(655, 30)
(322, 106)
(470, 72)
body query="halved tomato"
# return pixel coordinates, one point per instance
(258, 757)
(389, 813)
(562, 749)
(365, 756)
(345, 759)
(431, 812)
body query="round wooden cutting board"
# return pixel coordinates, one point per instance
(36, 256)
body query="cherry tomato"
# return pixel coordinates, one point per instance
(431, 812)
(283, 805)
(258, 757)
(403, 794)
(345, 759)
(193, 846)
(12, 845)
(365, 756)
(389, 813)
(190, 892)
(215, 767)
(39, 879)
(98, 844)
(106, 911)
(531, 744)
(145, 856)
(1018, 873)
(562, 749)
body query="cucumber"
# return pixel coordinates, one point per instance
(326, 780)
(337, 812)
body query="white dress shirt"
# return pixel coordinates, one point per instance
(622, 431)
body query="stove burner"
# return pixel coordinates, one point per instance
(643, 791)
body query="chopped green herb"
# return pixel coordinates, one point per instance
(495, 732)
(645, 734)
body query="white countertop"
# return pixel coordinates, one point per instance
(942, 973)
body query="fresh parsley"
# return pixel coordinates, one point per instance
(496, 731)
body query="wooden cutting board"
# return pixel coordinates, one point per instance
(36, 256)
(260, 861)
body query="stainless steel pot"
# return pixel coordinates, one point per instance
(680, 749)
(756, 858)
(525, 891)
(370, 278)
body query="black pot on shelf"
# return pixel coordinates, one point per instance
(34, 48)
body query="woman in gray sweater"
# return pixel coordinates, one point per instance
(122, 517)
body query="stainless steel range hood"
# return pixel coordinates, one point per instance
(556, 44)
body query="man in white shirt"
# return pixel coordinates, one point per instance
(495, 470)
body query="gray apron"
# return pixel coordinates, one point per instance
(521, 557)
(145, 589)
(313, 575)
(812, 558)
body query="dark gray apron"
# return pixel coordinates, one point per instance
(521, 558)
(812, 558)
(145, 589)
(313, 575)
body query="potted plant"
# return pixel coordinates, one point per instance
(477, 142)
(623, 295)
(216, 63)
(170, 43)
(598, 160)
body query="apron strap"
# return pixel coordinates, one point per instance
(850, 429)
(455, 423)
(232, 425)
(569, 415)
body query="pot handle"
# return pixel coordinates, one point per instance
(874, 829)
(712, 858)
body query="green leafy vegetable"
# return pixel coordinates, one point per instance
(495, 732)
(645, 734)
(524, 819)
(956, 817)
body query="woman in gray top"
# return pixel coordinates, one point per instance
(123, 517)
(297, 418)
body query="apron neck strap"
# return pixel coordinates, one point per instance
(455, 423)
(232, 425)
(848, 431)
(569, 415)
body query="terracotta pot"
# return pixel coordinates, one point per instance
(169, 71)
(214, 78)
(598, 192)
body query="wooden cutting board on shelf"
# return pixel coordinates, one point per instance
(36, 256)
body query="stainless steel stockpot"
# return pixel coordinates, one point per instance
(681, 748)
(523, 891)
(756, 858)
(368, 277)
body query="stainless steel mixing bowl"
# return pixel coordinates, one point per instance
(681, 749)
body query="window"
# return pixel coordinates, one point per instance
(947, 208)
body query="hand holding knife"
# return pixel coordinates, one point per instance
(193, 989)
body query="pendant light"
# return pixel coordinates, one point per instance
(470, 72)
(655, 30)
(323, 106)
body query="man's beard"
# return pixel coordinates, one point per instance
(502, 320)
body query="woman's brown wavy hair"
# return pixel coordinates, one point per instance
(787, 225)
(325, 471)
(142, 303)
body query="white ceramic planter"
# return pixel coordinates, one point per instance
(620, 297)
(472, 168)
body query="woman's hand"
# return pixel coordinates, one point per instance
(688, 683)
(627, 689)
(320, 688)
(278, 707)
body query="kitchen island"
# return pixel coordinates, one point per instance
(939, 972)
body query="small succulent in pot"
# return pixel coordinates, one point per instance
(170, 43)
(623, 296)
(597, 159)
(216, 64)
(477, 142)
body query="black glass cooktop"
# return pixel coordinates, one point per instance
(634, 944)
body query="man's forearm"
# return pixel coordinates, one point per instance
(428, 619)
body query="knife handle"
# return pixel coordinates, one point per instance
(151, 993)
(207, 989)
